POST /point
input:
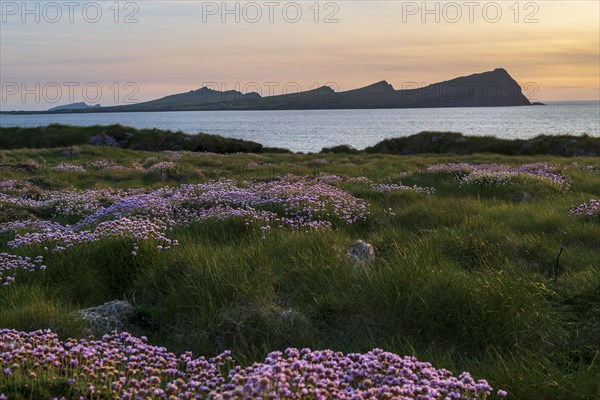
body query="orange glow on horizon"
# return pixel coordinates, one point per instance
(171, 49)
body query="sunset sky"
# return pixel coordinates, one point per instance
(177, 46)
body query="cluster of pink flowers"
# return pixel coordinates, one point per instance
(589, 208)
(107, 165)
(65, 167)
(133, 167)
(14, 185)
(163, 166)
(503, 174)
(395, 187)
(403, 174)
(253, 165)
(122, 366)
(330, 178)
(141, 215)
(64, 202)
(101, 164)
(65, 237)
(586, 167)
(358, 179)
(174, 155)
(333, 179)
(10, 264)
(300, 202)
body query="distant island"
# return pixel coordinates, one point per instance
(74, 106)
(488, 89)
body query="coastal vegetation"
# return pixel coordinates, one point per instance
(457, 143)
(57, 135)
(119, 136)
(483, 263)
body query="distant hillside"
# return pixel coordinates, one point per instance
(488, 89)
(74, 106)
(190, 101)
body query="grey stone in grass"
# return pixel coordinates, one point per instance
(114, 315)
(361, 253)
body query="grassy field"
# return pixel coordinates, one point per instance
(466, 277)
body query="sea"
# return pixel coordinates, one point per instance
(312, 130)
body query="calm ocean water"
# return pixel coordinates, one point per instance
(314, 129)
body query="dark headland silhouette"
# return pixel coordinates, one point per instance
(488, 89)
(73, 106)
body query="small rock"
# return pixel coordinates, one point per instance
(361, 253)
(114, 315)
(31, 165)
